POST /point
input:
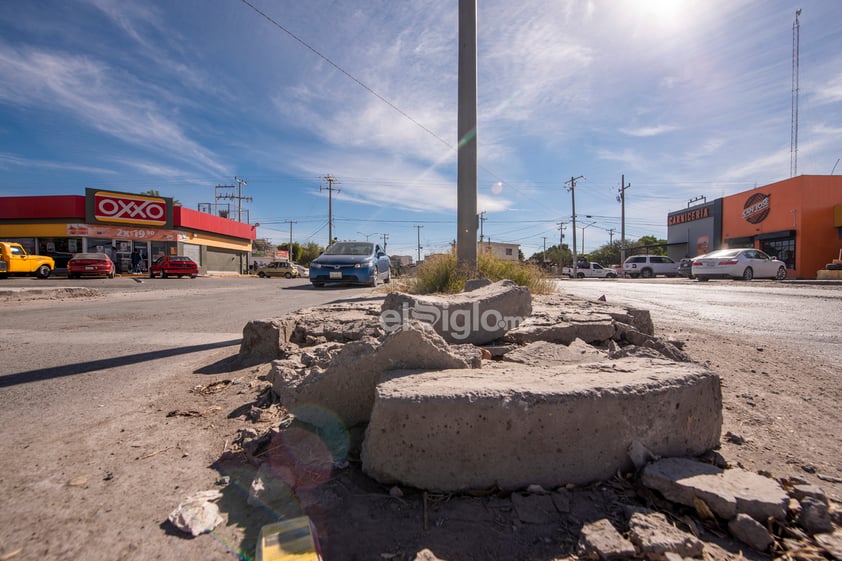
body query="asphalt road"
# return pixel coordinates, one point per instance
(806, 315)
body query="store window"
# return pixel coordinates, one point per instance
(783, 249)
(60, 249)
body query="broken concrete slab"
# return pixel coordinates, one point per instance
(477, 317)
(726, 492)
(534, 509)
(814, 517)
(346, 386)
(512, 425)
(263, 339)
(656, 537)
(198, 513)
(600, 540)
(543, 352)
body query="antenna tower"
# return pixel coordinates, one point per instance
(793, 135)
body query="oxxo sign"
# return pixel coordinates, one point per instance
(125, 208)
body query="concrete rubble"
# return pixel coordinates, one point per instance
(537, 412)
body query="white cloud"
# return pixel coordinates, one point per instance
(11, 160)
(648, 131)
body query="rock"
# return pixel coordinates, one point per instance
(474, 284)
(542, 352)
(600, 540)
(655, 536)
(750, 532)
(534, 509)
(478, 317)
(639, 454)
(197, 514)
(426, 555)
(263, 338)
(806, 490)
(814, 516)
(726, 492)
(831, 543)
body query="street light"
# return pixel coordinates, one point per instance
(367, 235)
(583, 236)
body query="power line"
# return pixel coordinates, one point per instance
(330, 189)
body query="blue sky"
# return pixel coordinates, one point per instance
(686, 98)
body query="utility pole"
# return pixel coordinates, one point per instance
(621, 198)
(466, 137)
(330, 189)
(572, 189)
(385, 237)
(544, 256)
(418, 226)
(793, 140)
(289, 254)
(611, 236)
(561, 227)
(240, 183)
(482, 220)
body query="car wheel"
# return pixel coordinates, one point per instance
(646, 273)
(318, 284)
(611, 276)
(287, 275)
(701, 279)
(193, 276)
(580, 275)
(781, 273)
(388, 278)
(163, 274)
(111, 275)
(748, 274)
(261, 274)
(43, 271)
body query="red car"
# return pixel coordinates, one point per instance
(90, 265)
(174, 265)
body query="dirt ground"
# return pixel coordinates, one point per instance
(104, 491)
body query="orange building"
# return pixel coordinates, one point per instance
(797, 220)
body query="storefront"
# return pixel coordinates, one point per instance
(120, 223)
(797, 220)
(694, 230)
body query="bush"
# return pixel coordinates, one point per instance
(439, 273)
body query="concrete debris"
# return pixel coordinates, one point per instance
(600, 540)
(726, 492)
(347, 384)
(831, 543)
(804, 490)
(198, 513)
(639, 454)
(542, 352)
(750, 532)
(262, 339)
(591, 413)
(426, 555)
(655, 536)
(814, 517)
(477, 317)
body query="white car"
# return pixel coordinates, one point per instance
(648, 266)
(744, 263)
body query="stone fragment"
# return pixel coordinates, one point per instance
(814, 516)
(726, 492)
(263, 339)
(600, 540)
(542, 352)
(426, 555)
(478, 317)
(512, 425)
(534, 509)
(750, 532)
(831, 543)
(806, 490)
(197, 514)
(639, 454)
(655, 536)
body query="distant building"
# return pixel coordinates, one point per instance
(507, 251)
(798, 220)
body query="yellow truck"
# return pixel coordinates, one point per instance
(14, 260)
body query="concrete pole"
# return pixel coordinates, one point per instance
(466, 200)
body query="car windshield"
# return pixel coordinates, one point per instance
(349, 248)
(90, 256)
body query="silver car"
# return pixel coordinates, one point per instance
(744, 263)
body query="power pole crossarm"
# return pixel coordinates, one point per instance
(418, 226)
(572, 188)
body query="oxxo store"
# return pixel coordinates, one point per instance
(117, 223)
(797, 220)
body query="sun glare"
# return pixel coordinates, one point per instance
(664, 13)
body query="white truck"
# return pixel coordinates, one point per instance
(589, 270)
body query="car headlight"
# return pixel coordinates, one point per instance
(366, 264)
(315, 265)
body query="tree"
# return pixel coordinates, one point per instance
(650, 245)
(309, 252)
(297, 251)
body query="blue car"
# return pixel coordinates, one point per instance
(351, 263)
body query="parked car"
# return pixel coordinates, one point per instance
(586, 269)
(14, 260)
(278, 269)
(745, 263)
(648, 266)
(174, 265)
(90, 265)
(351, 262)
(685, 267)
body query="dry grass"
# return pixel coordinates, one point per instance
(440, 274)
